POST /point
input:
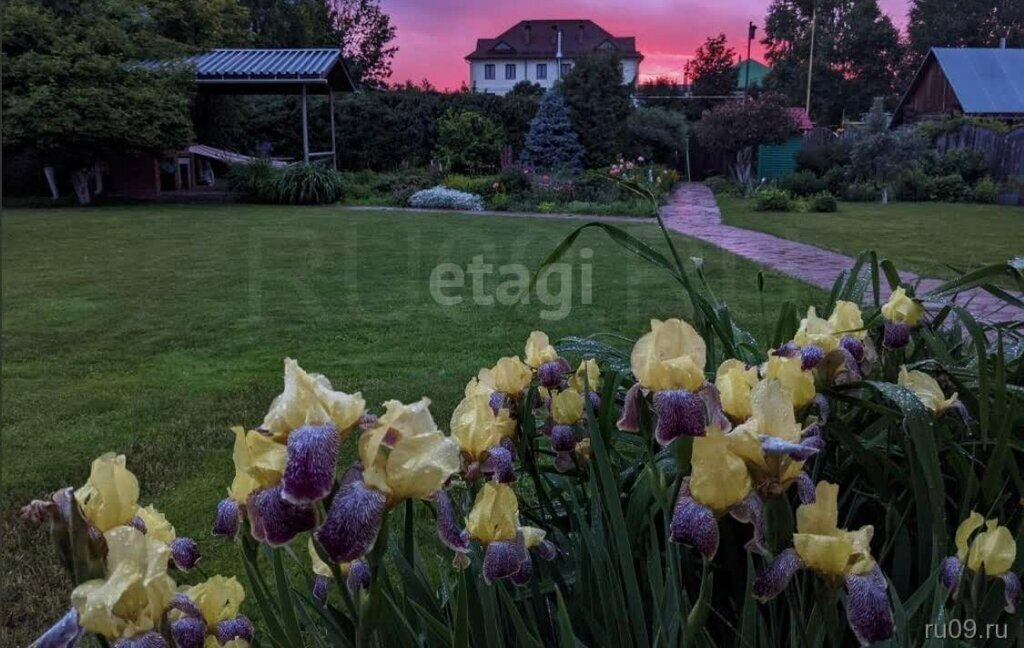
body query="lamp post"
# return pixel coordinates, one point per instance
(810, 59)
(751, 31)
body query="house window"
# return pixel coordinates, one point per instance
(510, 71)
(489, 71)
(542, 71)
(566, 68)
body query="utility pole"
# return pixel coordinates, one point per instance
(751, 31)
(810, 59)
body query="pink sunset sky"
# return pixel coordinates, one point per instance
(435, 35)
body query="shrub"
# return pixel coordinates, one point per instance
(822, 157)
(596, 186)
(952, 188)
(968, 164)
(802, 183)
(485, 186)
(309, 184)
(547, 207)
(515, 181)
(444, 198)
(773, 199)
(468, 142)
(723, 186)
(656, 133)
(255, 181)
(823, 202)
(986, 191)
(835, 181)
(913, 185)
(499, 202)
(862, 192)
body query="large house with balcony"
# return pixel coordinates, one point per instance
(542, 51)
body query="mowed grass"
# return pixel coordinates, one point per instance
(926, 238)
(149, 330)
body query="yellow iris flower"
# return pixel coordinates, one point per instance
(719, 479)
(846, 319)
(994, 548)
(926, 389)
(539, 350)
(495, 514)
(420, 459)
(309, 399)
(822, 545)
(771, 415)
(567, 407)
(734, 382)
(671, 356)
(157, 525)
(901, 308)
(136, 590)
(259, 461)
(797, 382)
(816, 331)
(477, 428)
(218, 598)
(587, 373)
(111, 496)
(510, 375)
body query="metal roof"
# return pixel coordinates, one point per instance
(985, 80)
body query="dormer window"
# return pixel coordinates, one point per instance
(503, 47)
(606, 45)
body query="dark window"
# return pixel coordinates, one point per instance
(489, 71)
(542, 70)
(566, 68)
(510, 71)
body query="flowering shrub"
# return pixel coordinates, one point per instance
(616, 499)
(444, 198)
(649, 177)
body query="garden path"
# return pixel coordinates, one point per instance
(692, 211)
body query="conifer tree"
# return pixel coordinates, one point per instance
(551, 143)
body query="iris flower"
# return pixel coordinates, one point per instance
(795, 379)
(718, 485)
(494, 523)
(991, 551)
(668, 361)
(357, 574)
(110, 498)
(403, 456)
(479, 430)
(207, 614)
(734, 381)
(901, 314)
(839, 557)
(928, 391)
(539, 350)
(566, 414)
(844, 322)
(509, 376)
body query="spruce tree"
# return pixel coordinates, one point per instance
(551, 143)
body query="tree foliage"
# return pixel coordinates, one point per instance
(599, 104)
(964, 23)
(738, 126)
(712, 73)
(857, 55)
(662, 92)
(468, 142)
(366, 39)
(657, 134)
(552, 142)
(878, 154)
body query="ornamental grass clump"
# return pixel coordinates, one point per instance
(849, 476)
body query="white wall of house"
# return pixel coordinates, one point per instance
(528, 70)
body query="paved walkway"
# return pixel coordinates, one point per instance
(692, 211)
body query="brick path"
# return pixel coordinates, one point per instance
(692, 211)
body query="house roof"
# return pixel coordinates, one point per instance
(757, 72)
(538, 39)
(265, 70)
(985, 80)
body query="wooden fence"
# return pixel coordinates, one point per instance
(1003, 153)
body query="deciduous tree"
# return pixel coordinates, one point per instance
(737, 126)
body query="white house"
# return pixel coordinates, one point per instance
(542, 51)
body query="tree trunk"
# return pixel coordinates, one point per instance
(51, 180)
(885, 195)
(80, 181)
(742, 170)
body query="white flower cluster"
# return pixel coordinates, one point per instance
(444, 198)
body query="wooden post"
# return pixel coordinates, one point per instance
(305, 128)
(334, 142)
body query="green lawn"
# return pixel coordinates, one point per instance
(148, 330)
(925, 238)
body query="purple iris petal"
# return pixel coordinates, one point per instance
(229, 517)
(367, 421)
(312, 456)
(552, 374)
(352, 523)
(546, 550)
(805, 488)
(810, 356)
(965, 416)
(867, 607)
(139, 524)
(184, 553)
(454, 537)
(694, 524)
(896, 335)
(499, 464)
(777, 575)
(952, 572)
(680, 413)
(509, 445)
(564, 461)
(847, 369)
(823, 409)
(629, 420)
(498, 401)
(504, 558)
(713, 404)
(799, 451)
(595, 401)
(63, 634)
(854, 346)
(320, 586)
(788, 350)
(563, 438)
(358, 576)
(185, 605)
(525, 572)
(1011, 591)
(151, 639)
(275, 520)
(189, 632)
(238, 628)
(751, 511)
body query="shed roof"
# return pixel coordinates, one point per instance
(758, 70)
(266, 71)
(985, 80)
